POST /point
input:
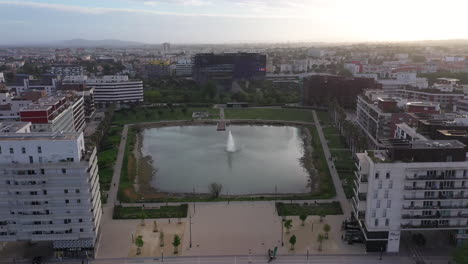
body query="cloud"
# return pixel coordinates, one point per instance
(103, 10)
(176, 2)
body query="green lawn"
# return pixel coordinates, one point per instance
(140, 115)
(336, 141)
(270, 114)
(327, 189)
(287, 209)
(330, 130)
(323, 117)
(343, 160)
(140, 212)
(348, 183)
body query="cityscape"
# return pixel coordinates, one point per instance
(200, 148)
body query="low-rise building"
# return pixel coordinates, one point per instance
(113, 89)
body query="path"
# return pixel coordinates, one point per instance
(340, 194)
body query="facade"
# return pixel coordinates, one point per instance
(113, 89)
(10, 106)
(82, 89)
(156, 69)
(49, 189)
(225, 68)
(184, 68)
(66, 70)
(2, 77)
(166, 47)
(412, 186)
(406, 132)
(59, 113)
(319, 90)
(429, 95)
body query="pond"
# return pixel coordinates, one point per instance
(254, 160)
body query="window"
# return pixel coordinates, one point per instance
(376, 175)
(42, 171)
(39, 149)
(44, 192)
(389, 203)
(390, 184)
(23, 150)
(67, 201)
(384, 213)
(378, 203)
(80, 220)
(81, 229)
(376, 222)
(0, 150)
(386, 194)
(65, 191)
(387, 222)
(375, 194)
(11, 151)
(31, 160)
(373, 213)
(77, 191)
(64, 171)
(387, 175)
(78, 201)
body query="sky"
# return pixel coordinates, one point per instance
(231, 21)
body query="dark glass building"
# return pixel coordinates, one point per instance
(225, 68)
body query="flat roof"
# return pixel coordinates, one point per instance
(36, 107)
(421, 103)
(454, 132)
(39, 136)
(420, 144)
(12, 126)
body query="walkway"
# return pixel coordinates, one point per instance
(340, 194)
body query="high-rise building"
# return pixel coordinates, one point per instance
(49, 188)
(114, 89)
(166, 47)
(412, 186)
(319, 90)
(225, 68)
(184, 68)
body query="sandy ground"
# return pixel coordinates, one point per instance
(152, 246)
(237, 228)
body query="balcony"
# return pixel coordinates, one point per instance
(435, 177)
(361, 177)
(411, 188)
(434, 207)
(408, 216)
(439, 197)
(433, 226)
(362, 196)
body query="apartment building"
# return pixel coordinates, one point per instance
(49, 189)
(65, 70)
(114, 89)
(58, 113)
(184, 68)
(412, 186)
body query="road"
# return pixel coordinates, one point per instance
(340, 194)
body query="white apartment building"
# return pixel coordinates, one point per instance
(49, 188)
(417, 186)
(10, 106)
(112, 89)
(2, 77)
(67, 70)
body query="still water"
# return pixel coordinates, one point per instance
(188, 157)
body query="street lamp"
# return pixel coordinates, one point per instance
(381, 252)
(190, 219)
(282, 232)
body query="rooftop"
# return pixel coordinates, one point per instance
(39, 136)
(429, 144)
(11, 127)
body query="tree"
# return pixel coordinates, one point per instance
(292, 241)
(143, 216)
(288, 225)
(320, 239)
(155, 226)
(326, 229)
(176, 244)
(161, 239)
(322, 214)
(303, 217)
(215, 189)
(461, 254)
(139, 243)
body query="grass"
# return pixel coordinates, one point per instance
(348, 183)
(141, 115)
(107, 157)
(327, 188)
(343, 160)
(286, 209)
(323, 117)
(144, 213)
(269, 114)
(127, 175)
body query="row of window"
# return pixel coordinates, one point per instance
(23, 150)
(376, 222)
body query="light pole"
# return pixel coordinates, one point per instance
(190, 219)
(193, 199)
(282, 224)
(381, 252)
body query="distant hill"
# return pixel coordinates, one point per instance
(85, 43)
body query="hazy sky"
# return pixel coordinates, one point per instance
(227, 21)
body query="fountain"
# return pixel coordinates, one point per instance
(231, 144)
